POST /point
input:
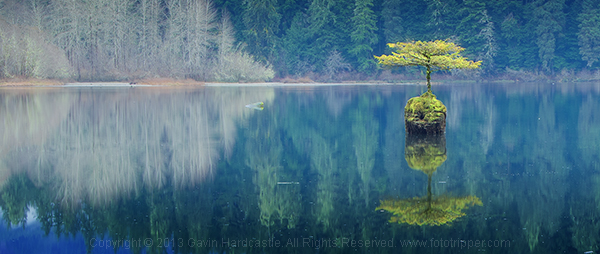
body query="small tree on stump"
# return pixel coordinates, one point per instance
(426, 114)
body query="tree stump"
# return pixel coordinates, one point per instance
(425, 114)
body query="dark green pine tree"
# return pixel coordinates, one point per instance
(442, 19)
(295, 47)
(567, 50)
(404, 20)
(236, 11)
(288, 10)
(321, 31)
(589, 32)
(476, 32)
(364, 35)
(511, 52)
(392, 21)
(516, 49)
(549, 17)
(261, 20)
(468, 29)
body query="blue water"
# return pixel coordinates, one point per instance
(318, 169)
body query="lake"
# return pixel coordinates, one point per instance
(316, 169)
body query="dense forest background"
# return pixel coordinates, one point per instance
(324, 40)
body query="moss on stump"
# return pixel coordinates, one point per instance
(425, 114)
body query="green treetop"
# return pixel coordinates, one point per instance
(434, 55)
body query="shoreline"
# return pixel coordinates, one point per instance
(187, 83)
(64, 83)
(171, 83)
(284, 84)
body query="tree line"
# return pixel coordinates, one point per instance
(122, 39)
(325, 37)
(325, 40)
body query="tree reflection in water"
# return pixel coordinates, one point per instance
(197, 164)
(426, 153)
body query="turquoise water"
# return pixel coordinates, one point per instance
(325, 169)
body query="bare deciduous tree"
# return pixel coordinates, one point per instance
(334, 64)
(124, 39)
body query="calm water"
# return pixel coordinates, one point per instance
(318, 170)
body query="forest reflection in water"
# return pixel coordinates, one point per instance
(311, 170)
(97, 145)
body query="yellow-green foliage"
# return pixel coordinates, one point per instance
(440, 55)
(425, 211)
(424, 108)
(434, 55)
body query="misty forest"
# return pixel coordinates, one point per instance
(323, 40)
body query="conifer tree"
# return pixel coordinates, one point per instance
(476, 32)
(392, 21)
(363, 36)
(261, 19)
(550, 21)
(320, 30)
(589, 32)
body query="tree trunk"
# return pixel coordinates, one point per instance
(428, 78)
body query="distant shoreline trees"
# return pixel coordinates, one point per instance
(28, 52)
(127, 39)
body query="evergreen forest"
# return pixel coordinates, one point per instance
(323, 40)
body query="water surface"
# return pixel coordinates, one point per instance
(319, 169)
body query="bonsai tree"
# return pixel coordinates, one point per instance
(426, 114)
(434, 55)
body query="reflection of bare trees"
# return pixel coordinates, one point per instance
(458, 98)
(101, 145)
(27, 123)
(337, 100)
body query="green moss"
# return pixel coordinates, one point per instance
(425, 108)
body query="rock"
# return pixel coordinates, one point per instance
(425, 114)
